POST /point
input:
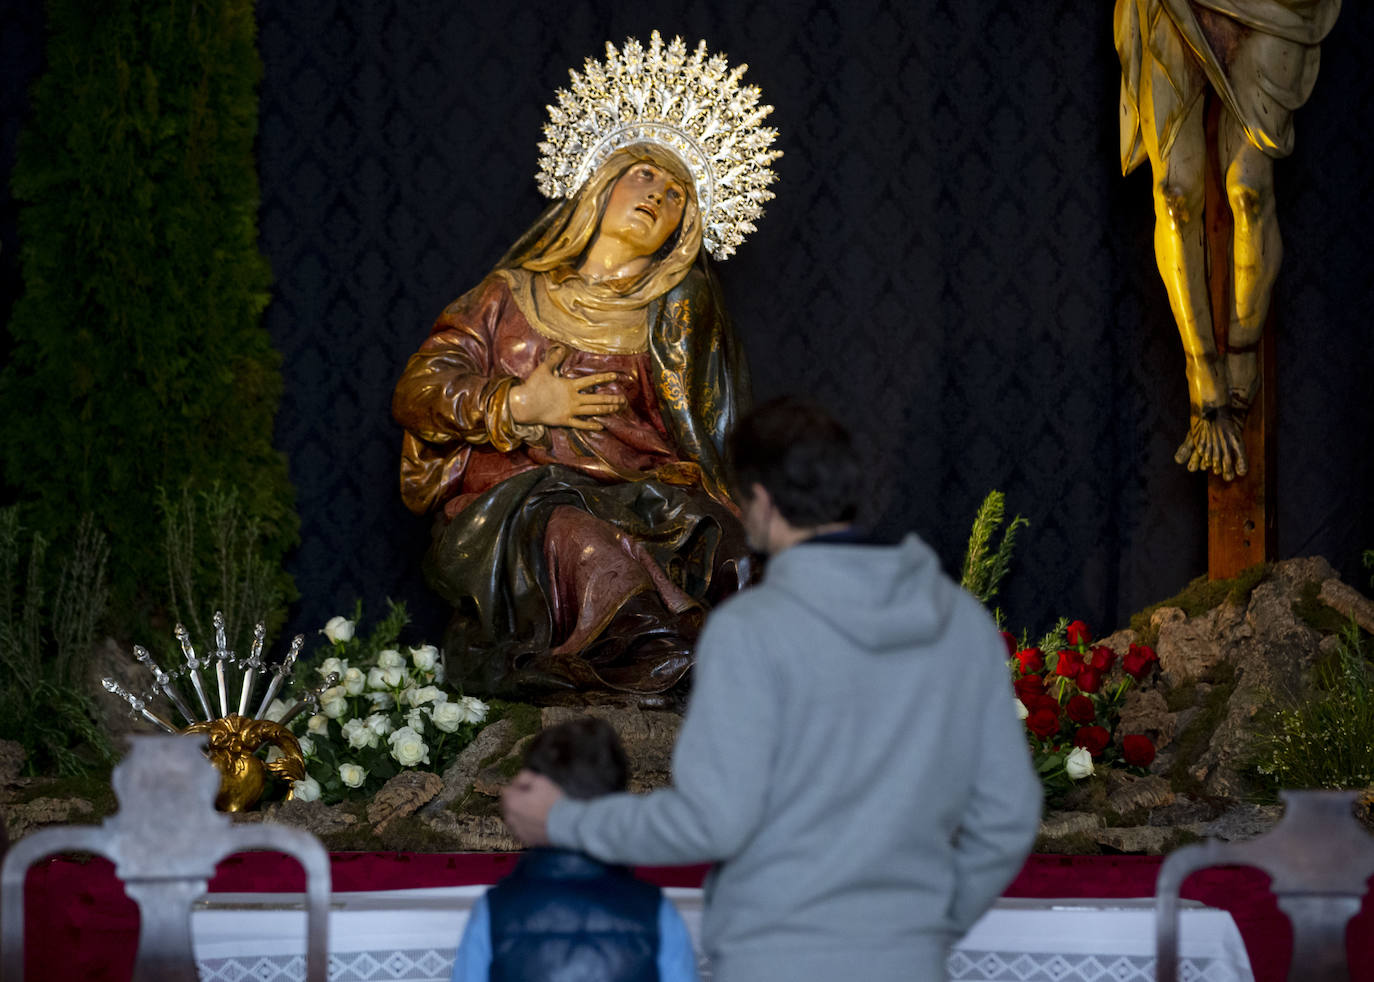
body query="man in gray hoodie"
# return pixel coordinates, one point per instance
(851, 760)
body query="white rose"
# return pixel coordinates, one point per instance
(474, 709)
(1021, 711)
(358, 734)
(393, 677)
(276, 709)
(307, 746)
(418, 697)
(354, 681)
(425, 657)
(352, 775)
(376, 678)
(318, 725)
(391, 658)
(306, 789)
(381, 699)
(1079, 763)
(334, 702)
(415, 719)
(439, 672)
(338, 630)
(274, 753)
(448, 716)
(333, 665)
(408, 748)
(379, 724)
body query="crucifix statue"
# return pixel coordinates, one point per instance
(1209, 89)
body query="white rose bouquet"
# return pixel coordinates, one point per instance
(390, 711)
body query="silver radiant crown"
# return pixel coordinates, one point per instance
(692, 105)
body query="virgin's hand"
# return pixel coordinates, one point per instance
(547, 399)
(526, 803)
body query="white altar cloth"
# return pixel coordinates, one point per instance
(411, 935)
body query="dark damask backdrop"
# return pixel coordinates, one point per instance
(953, 261)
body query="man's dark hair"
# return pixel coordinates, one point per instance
(804, 458)
(582, 756)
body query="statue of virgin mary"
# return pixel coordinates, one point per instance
(564, 420)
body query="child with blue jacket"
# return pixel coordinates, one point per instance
(561, 916)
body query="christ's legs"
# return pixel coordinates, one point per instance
(1256, 253)
(1213, 441)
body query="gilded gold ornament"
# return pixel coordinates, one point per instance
(233, 745)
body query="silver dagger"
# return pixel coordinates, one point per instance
(164, 682)
(137, 705)
(222, 654)
(280, 673)
(193, 670)
(310, 700)
(250, 668)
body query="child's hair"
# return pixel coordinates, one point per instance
(582, 756)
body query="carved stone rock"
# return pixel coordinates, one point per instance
(1185, 812)
(473, 833)
(315, 817)
(1138, 839)
(1348, 602)
(1270, 660)
(12, 759)
(1145, 711)
(648, 737)
(1242, 821)
(27, 816)
(403, 795)
(458, 778)
(1059, 825)
(1189, 648)
(1137, 793)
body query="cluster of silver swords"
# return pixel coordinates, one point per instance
(222, 659)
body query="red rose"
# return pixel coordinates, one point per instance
(1080, 709)
(1078, 633)
(1044, 722)
(1093, 739)
(1089, 680)
(1138, 661)
(1041, 701)
(1070, 663)
(1010, 643)
(1102, 659)
(1032, 660)
(1028, 685)
(1138, 750)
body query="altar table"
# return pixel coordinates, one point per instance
(78, 923)
(410, 936)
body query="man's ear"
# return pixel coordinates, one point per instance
(760, 494)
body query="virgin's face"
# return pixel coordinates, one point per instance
(645, 208)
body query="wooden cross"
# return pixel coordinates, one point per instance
(1241, 528)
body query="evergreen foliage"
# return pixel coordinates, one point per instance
(984, 567)
(44, 643)
(138, 357)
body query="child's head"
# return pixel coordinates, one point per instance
(582, 756)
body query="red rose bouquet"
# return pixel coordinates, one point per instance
(1070, 693)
